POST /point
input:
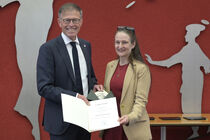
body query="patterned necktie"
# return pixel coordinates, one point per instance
(79, 88)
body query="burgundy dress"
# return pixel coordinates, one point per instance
(116, 85)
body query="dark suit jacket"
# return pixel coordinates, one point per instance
(55, 76)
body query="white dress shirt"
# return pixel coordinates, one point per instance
(82, 61)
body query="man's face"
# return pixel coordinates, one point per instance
(70, 23)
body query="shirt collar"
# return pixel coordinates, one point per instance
(67, 40)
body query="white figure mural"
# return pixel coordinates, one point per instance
(192, 58)
(33, 20)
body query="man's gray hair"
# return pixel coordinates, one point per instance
(69, 7)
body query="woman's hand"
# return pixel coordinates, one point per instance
(123, 120)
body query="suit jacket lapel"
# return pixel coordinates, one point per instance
(109, 75)
(127, 80)
(85, 52)
(65, 56)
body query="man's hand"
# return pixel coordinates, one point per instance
(83, 98)
(123, 120)
(98, 88)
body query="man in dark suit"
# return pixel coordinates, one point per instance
(64, 66)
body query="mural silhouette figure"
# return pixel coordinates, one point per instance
(192, 59)
(33, 20)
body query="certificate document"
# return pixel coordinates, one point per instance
(100, 115)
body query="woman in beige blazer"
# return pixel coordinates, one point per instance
(128, 77)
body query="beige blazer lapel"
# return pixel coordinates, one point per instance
(111, 70)
(127, 80)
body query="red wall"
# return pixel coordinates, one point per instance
(160, 27)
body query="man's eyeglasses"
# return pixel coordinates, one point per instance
(126, 28)
(74, 20)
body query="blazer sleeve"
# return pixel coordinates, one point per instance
(141, 94)
(46, 76)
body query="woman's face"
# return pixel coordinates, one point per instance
(123, 45)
